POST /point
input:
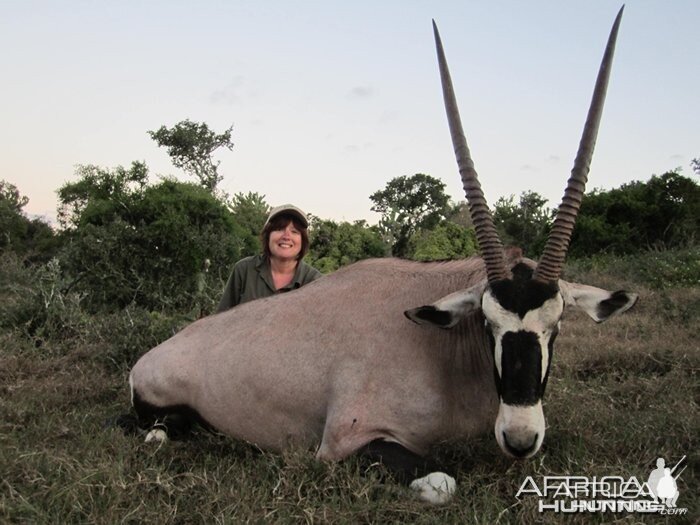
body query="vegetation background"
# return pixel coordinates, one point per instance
(134, 260)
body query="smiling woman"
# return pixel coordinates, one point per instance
(280, 267)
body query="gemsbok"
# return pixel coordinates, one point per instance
(348, 364)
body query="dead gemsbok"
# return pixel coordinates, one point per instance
(338, 367)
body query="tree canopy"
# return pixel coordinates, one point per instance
(525, 224)
(663, 212)
(191, 146)
(147, 244)
(333, 244)
(446, 241)
(408, 204)
(100, 194)
(125, 240)
(32, 238)
(250, 211)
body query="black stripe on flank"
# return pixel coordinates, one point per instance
(521, 294)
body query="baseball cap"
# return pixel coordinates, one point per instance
(288, 209)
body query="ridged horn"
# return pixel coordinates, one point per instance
(552, 260)
(489, 243)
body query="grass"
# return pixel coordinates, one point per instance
(620, 395)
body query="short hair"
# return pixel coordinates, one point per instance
(279, 222)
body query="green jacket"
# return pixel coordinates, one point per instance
(252, 279)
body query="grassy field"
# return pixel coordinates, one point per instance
(620, 395)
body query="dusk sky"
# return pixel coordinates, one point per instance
(331, 100)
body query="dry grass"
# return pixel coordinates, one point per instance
(621, 394)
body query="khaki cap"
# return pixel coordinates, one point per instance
(289, 209)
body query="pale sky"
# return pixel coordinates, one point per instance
(330, 100)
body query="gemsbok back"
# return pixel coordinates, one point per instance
(348, 364)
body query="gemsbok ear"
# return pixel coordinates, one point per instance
(599, 304)
(449, 310)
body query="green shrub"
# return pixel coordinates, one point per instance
(124, 336)
(446, 241)
(143, 245)
(661, 213)
(657, 269)
(35, 300)
(333, 245)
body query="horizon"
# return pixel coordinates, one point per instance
(329, 103)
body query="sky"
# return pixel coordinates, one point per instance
(330, 100)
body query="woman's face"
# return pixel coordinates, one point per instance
(285, 243)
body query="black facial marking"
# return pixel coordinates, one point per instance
(521, 294)
(431, 314)
(612, 304)
(550, 349)
(521, 368)
(492, 346)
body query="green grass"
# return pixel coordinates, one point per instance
(620, 395)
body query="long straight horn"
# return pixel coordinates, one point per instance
(486, 235)
(552, 260)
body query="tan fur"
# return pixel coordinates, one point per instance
(335, 362)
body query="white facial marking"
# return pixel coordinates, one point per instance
(540, 322)
(520, 430)
(436, 488)
(522, 427)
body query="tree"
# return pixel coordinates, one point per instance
(525, 224)
(150, 245)
(446, 241)
(30, 238)
(191, 146)
(460, 215)
(333, 245)
(663, 212)
(408, 204)
(250, 212)
(100, 195)
(12, 220)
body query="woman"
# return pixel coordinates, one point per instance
(280, 267)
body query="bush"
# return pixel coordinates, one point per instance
(662, 213)
(32, 238)
(657, 269)
(126, 335)
(34, 303)
(446, 241)
(525, 224)
(34, 300)
(151, 246)
(333, 245)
